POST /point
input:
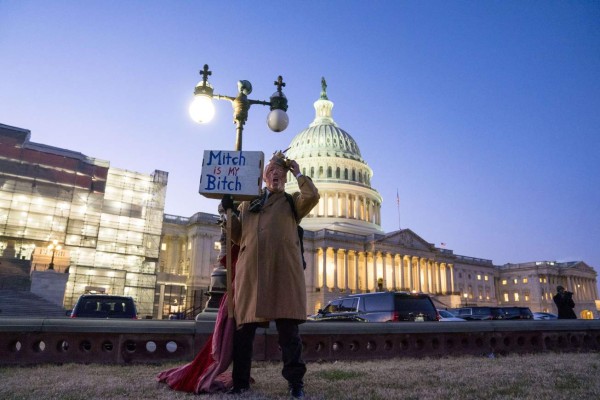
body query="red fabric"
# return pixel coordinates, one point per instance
(207, 373)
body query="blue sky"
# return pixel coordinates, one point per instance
(482, 115)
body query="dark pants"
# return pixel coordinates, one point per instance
(291, 353)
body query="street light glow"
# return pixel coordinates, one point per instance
(202, 109)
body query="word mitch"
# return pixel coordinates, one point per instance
(225, 170)
(221, 158)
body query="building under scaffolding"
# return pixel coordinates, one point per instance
(106, 222)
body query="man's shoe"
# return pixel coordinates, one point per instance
(297, 392)
(237, 390)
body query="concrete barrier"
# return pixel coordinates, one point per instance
(34, 341)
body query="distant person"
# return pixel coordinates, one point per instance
(565, 304)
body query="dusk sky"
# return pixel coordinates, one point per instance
(484, 116)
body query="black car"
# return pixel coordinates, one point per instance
(517, 313)
(479, 313)
(104, 306)
(379, 307)
(494, 313)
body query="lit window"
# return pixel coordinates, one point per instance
(505, 296)
(524, 280)
(545, 280)
(189, 245)
(485, 277)
(163, 246)
(504, 281)
(478, 277)
(526, 297)
(218, 246)
(515, 281)
(541, 280)
(516, 296)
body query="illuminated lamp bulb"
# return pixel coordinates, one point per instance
(202, 109)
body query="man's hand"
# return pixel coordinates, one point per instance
(227, 202)
(294, 167)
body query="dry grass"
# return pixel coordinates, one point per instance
(541, 376)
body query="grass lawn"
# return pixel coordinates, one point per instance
(539, 376)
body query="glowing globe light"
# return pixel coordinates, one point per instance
(202, 109)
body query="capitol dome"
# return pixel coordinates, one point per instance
(331, 157)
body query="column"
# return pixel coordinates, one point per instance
(161, 301)
(346, 206)
(323, 263)
(411, 283)
(386, 277)
(356, 285)
(336, 204)
(373, 270)
(346, 270)
(451, 271)
(398, 284)
(417, 276)
(429, 276)
(335, 286)
(394, 284)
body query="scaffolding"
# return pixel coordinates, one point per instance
(108, 220)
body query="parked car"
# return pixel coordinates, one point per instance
(544, 316)
(379, 307)
(479, 313)
(517, 313)
(104, 306)
(447, 316)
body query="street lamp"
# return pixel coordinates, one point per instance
(53, 247)
(202, 110)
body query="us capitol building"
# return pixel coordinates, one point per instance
(103, 229)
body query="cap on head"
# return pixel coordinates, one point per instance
(279, 159)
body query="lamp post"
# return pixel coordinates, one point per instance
(202, 110)
(53, 247)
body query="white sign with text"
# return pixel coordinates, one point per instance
(238, 173)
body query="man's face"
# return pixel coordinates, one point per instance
(275, 178)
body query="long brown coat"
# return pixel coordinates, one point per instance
(269, 281)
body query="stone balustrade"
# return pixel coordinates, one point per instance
(37, 340)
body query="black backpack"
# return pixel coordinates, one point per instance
(290, 200)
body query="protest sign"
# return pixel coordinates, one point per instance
(238, 173)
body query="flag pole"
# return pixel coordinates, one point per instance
(398, 204)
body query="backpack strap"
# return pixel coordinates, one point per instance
(290, 200)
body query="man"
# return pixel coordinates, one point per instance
(269, 281)
(565, 304)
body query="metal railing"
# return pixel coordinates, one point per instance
(26, 341)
